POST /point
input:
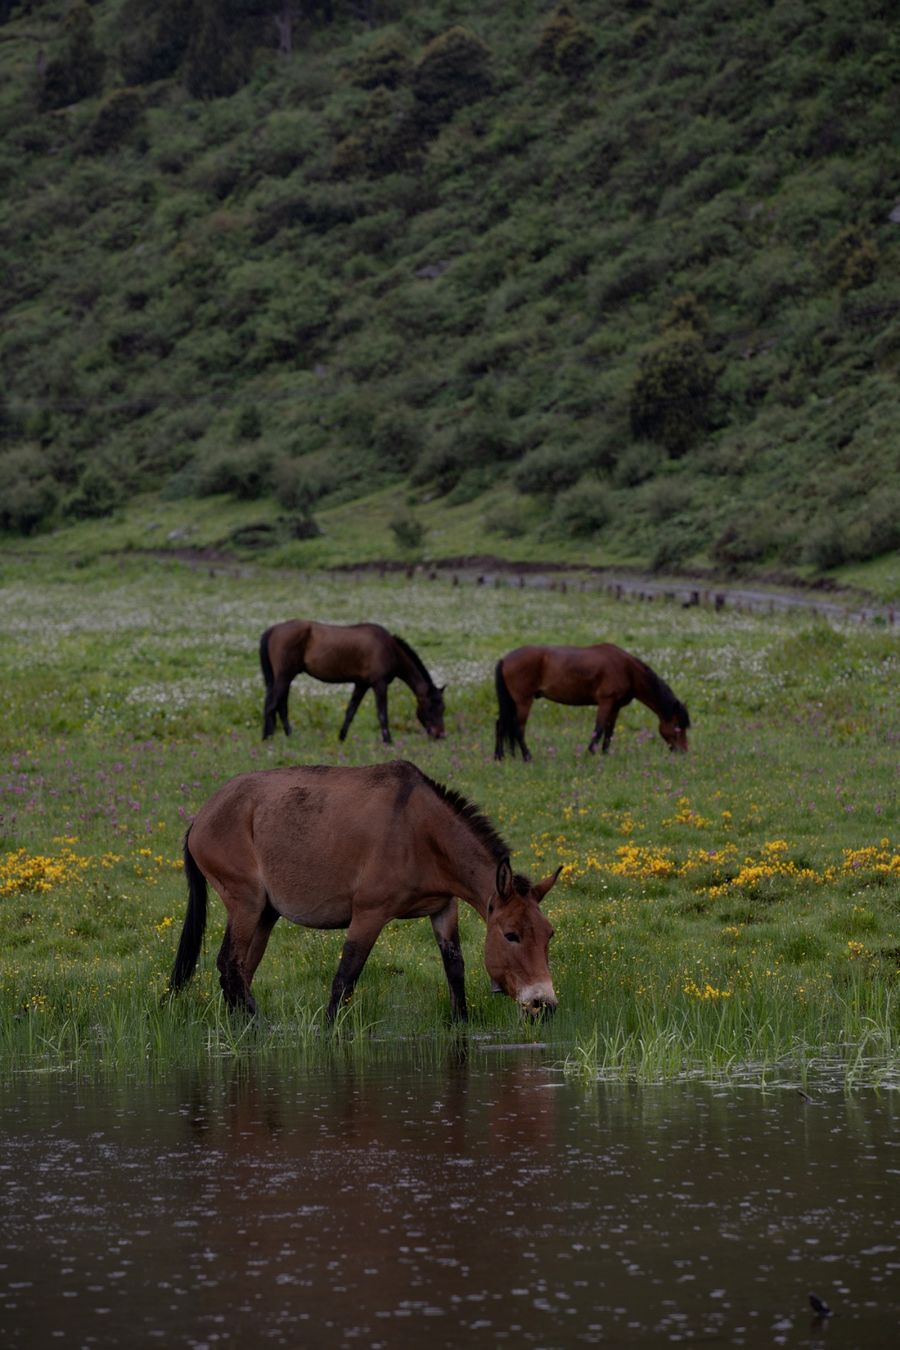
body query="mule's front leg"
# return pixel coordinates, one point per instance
(358, 943)
(604, 727)
(446, 931)
(359, 691)
(380, 690)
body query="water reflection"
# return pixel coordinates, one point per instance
(470, 1202)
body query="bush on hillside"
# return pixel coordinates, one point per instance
(298, 485)
(215, 65)
(241, 472)
(670, 396)
(99, 492)
(28, 494)
(386, 62)
(851, 259)
(581, 511)
(566, 44)
(118, 118)
(453, 70)
(77, 72)
(549, 469)
(408, 531)
(155, 39)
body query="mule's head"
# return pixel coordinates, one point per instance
(674, 728)
(518, 936)
(430, 711)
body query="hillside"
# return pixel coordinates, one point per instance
(620, 276)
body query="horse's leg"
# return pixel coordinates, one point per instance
(523, 709)
(446, 931)
(358, 943)
(283, 708)
(380, 691)
(244, 914)
(359, 693)
(276, 705)
(607, 712)
(260, 940)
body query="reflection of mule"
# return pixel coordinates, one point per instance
(354, 848)
(362, 654)
(604, 675)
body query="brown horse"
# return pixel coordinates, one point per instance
(604, 675)
(362, 653)
(354, 848)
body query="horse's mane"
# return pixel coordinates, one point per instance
(471, 816)
(414, 657)
(670, 707)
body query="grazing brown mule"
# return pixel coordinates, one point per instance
(604, 675)
(364, 654)
(354, 848)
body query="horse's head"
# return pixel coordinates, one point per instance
(518, 936)
(430, 711)
(674, 727)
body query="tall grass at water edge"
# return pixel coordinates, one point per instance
(729, 911)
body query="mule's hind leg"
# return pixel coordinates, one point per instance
(446, 931)
(523, 709)
(276, 705)
(245, 910)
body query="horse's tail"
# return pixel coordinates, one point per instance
(508, 729)
(194, 922)
(265, 660)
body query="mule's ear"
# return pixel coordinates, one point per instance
(504, 880)
(542, 887)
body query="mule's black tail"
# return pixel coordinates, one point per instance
(265, 660)
(194, 923)
(508, 730)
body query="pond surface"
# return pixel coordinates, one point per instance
(468, 1203)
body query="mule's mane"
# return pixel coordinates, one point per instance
(414, 657)
(470, 815)
(668, 706)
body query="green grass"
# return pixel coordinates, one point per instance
(736, 906)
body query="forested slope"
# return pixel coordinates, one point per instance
(636, 260)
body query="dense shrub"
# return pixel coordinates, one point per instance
(408, 531)
(386, 61)
(99, 492)
(117, 119)
(453, 70)
(299, 484)
(77, 72)
(670, 397)
(28, 494)
(581, 511)
(565, 45)
(154, 38)
(851, 259)
(549, 469)
(241, 472)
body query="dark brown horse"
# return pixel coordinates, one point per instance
(603, 675)
(364, 654)
(354, 848)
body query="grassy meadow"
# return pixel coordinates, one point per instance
(733, 911)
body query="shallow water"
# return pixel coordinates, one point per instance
(469, 1203)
